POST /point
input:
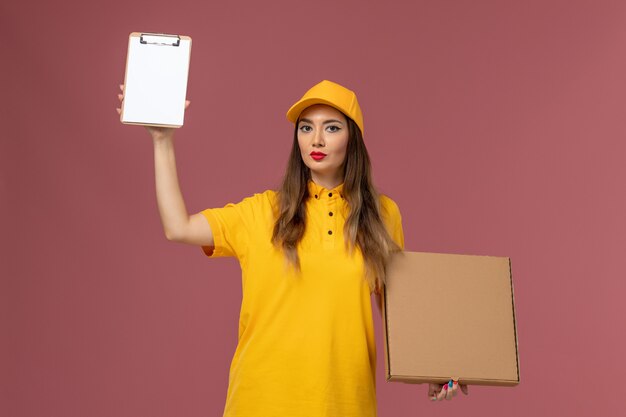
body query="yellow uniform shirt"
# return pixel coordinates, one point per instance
(306, 345)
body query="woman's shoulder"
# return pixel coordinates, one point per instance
(389, 207)
(255, 201)
(388, 202)
(266, 194)
(254, 207)
(267, 198)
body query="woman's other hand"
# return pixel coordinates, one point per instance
(438, 392)
(155, 132)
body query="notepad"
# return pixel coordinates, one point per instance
(155, 84)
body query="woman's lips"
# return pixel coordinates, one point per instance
(318, 156)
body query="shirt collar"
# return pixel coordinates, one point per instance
(316, 191)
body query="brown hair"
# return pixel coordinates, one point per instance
(364, 226)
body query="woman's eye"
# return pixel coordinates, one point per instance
(337, 128)
(304, 128)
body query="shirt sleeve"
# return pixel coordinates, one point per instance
(398, 233)
(232, 226)
(393, 220)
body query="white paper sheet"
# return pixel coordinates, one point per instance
(155, 85)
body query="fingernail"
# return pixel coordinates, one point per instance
(445, 387)
(450, 384)
(433, 398)
(455, 383)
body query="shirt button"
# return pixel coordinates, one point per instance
(330, 232)
(330, 213)
(315, 195)
(330, 194)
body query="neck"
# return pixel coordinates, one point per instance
(327, 181)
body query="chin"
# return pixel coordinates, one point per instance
(325, 171)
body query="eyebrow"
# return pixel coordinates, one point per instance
(326, 122)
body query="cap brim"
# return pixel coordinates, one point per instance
(294, 112)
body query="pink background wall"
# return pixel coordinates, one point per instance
(497, 126)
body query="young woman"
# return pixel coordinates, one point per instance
(311, 254)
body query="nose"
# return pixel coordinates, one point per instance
(318, 138)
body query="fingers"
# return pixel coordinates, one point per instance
(433, 389)
(453, 388)
(437, 392)
(447, 391)
(120, 97)
(441, 394)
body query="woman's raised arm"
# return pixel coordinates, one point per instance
(177, 224)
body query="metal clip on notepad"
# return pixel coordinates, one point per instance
(160, 39)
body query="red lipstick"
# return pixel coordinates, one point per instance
(318, 156)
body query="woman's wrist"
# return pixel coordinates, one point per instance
(162, 138)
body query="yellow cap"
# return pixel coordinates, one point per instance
(332, 94)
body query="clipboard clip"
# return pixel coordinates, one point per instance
(159, 39)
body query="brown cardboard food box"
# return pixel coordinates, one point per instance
(449, 316)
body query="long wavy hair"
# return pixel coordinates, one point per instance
(364, 227)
